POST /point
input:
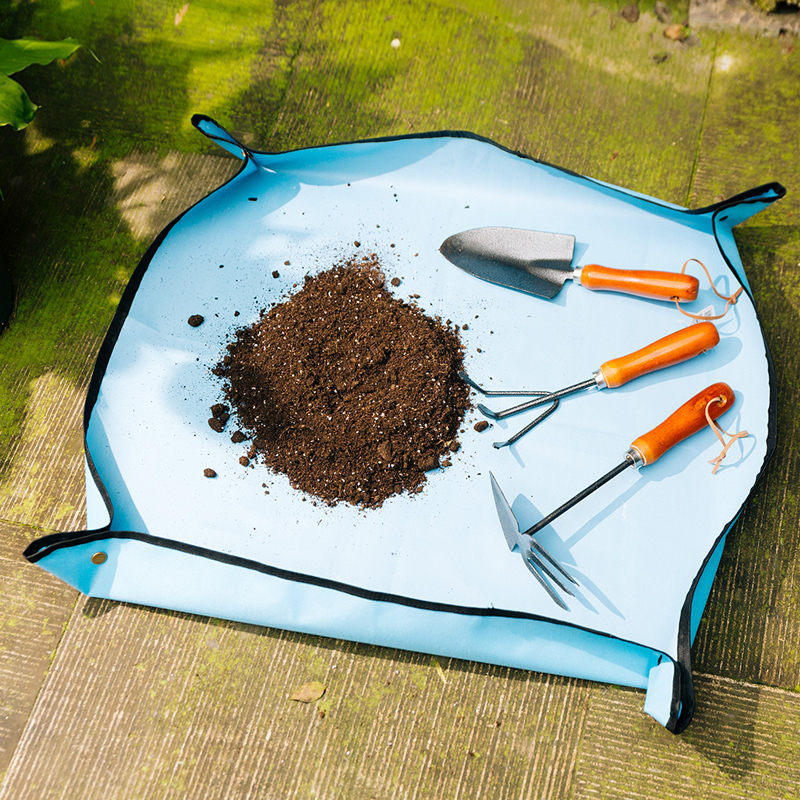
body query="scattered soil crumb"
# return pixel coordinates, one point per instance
(196, 320)
(346, 389)
(209, 473)
(481, 426)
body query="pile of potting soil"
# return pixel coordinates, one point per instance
(346, 389)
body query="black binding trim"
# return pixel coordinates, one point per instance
(47, 545)
(683, 700)
(682, 716)
(750, 195)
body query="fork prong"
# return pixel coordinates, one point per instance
(536, 570)
(544, 554)
(534, 555)
(534, 559)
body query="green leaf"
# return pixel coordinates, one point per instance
(16, 107)
(17, 54)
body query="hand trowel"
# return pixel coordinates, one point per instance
(540, 263)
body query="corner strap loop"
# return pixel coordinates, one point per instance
(214, 131)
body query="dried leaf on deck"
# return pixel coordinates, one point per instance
(309, 692)
(439, 671)
(677, 32)
(181, 14)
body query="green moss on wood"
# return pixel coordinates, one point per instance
(70, 258)
(157, 67)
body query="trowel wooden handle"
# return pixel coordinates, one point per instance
(687, 420)
(642, 283)
(673, 349)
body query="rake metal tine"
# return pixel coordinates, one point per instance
(529, 427)
(541, 399)
(496, 392)
(537, 562)
(544, 554)
(536, 568)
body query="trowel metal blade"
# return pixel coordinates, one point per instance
(530, 261)
(508, 522)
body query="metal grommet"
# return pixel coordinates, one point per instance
(99, 558)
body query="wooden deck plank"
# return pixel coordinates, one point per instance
(751, 135)
(172, 705)
(35, 611)
(563, 82)
(141, 77)
(751, 628)
(751, 130)
(44, 484)
(742, 744)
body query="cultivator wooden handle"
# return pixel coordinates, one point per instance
(687, 420)
(652, 284)
(665, 352)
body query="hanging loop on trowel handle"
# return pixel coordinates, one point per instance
(687, 420)
(730, 300)
(666, 352)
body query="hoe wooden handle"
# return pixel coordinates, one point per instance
(642, 283)
(666, 352)
(687, 420)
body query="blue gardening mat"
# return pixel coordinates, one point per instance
(428, 571)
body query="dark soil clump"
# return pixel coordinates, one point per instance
(347, 390)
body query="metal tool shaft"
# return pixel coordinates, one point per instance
(545, 521)
(497, 392)
(545, 398)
